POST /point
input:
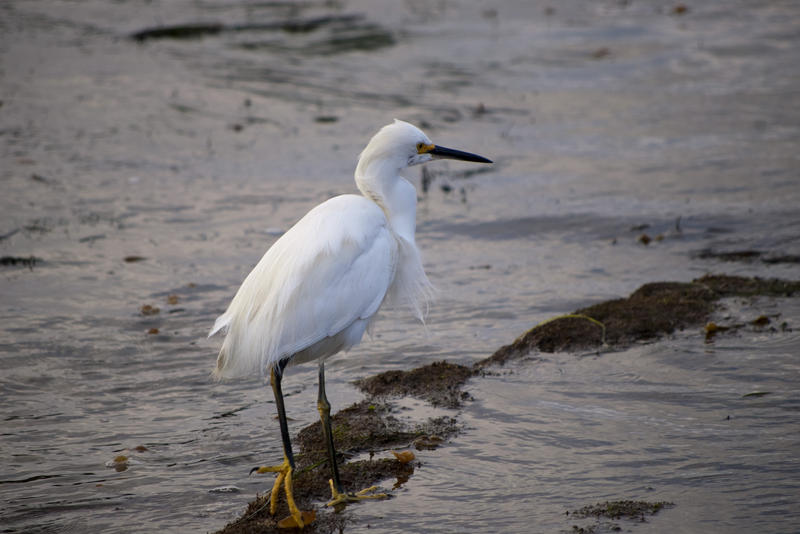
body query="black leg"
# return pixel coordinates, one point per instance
(275, 380)
(325, 415)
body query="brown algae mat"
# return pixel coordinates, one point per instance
(615, 510)
(653, 310)
(370, 426)
(438, 383)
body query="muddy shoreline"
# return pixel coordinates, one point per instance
(370, 426)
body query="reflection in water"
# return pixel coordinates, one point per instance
(193, 155)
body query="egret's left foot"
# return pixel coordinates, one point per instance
(345, 498)
(298, 518)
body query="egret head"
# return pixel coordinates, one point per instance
(401, 145)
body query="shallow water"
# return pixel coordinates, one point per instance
(197, 153)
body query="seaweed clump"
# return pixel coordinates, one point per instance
(615, 510)
(653, 310)
(622, 509)
(439, 383)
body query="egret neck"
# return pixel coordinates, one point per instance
(378, 178)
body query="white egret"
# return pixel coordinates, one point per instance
(318, 288)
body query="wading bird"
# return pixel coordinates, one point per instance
(318, 288)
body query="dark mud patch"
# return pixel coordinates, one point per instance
(13, 261)
(323, 35)
(633, 510)
(786, 258)
(739, 286)
(615, 510)
(622, 509)
(653, 310)
(439, 383)
(199, 30)
(747, 256)
(735, 255)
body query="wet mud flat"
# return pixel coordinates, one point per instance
(371, 427)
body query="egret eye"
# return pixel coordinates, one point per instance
(424, 148)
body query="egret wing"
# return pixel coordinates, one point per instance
(333, 268)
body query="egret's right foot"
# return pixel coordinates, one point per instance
(300, 518)
(339, 497)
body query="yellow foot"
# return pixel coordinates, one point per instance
(344, 498)
(298, 518)
(290, 522)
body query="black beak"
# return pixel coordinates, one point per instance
(441, 152)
